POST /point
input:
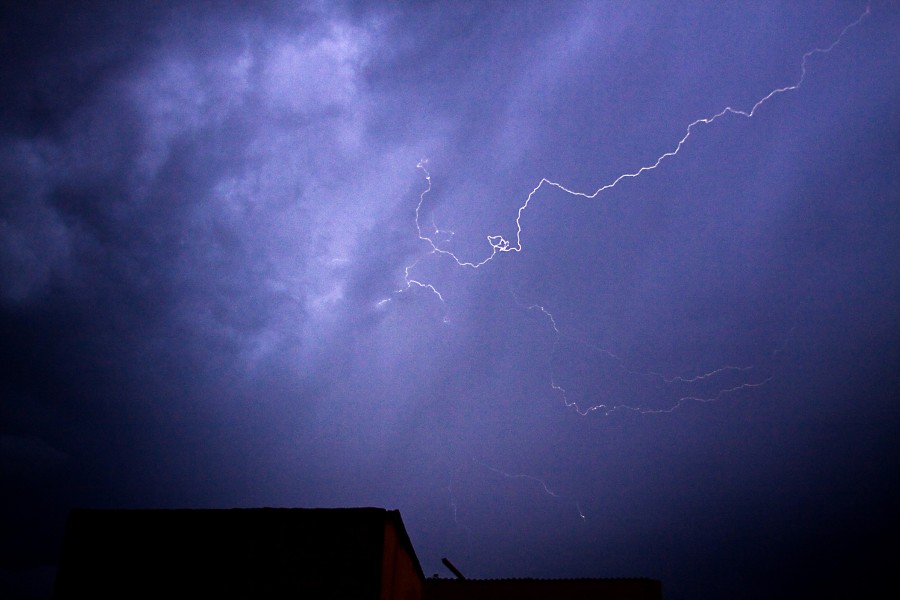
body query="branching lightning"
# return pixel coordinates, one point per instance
(537, 480)
(435, 238)
(607, 409)
(500, 244)
(521, 476)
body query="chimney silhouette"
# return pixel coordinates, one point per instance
(452, 568)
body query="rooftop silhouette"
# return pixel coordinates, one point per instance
(280, 552)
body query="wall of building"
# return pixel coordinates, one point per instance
(400, 575)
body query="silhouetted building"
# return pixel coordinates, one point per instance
(255, 553)
(279, 552)
(543, 589)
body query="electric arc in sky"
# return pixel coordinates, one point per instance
(620, 365)
(500, 245)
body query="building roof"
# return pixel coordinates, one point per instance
(328, 552)
(544, 589)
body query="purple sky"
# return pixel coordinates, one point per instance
(213, 291)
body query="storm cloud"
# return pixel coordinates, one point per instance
(213, 290)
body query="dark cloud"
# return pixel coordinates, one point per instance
(212, 290)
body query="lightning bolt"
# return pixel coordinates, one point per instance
(454, 507)
(607, 409)
(435, 237)
(500, 245)
(538, 480)
(543, 483)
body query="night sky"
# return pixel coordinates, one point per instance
(235, 271)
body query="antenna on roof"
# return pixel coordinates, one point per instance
(452, 568)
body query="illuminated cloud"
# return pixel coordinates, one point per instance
(214, 290)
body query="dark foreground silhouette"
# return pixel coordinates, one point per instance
(279, 553)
